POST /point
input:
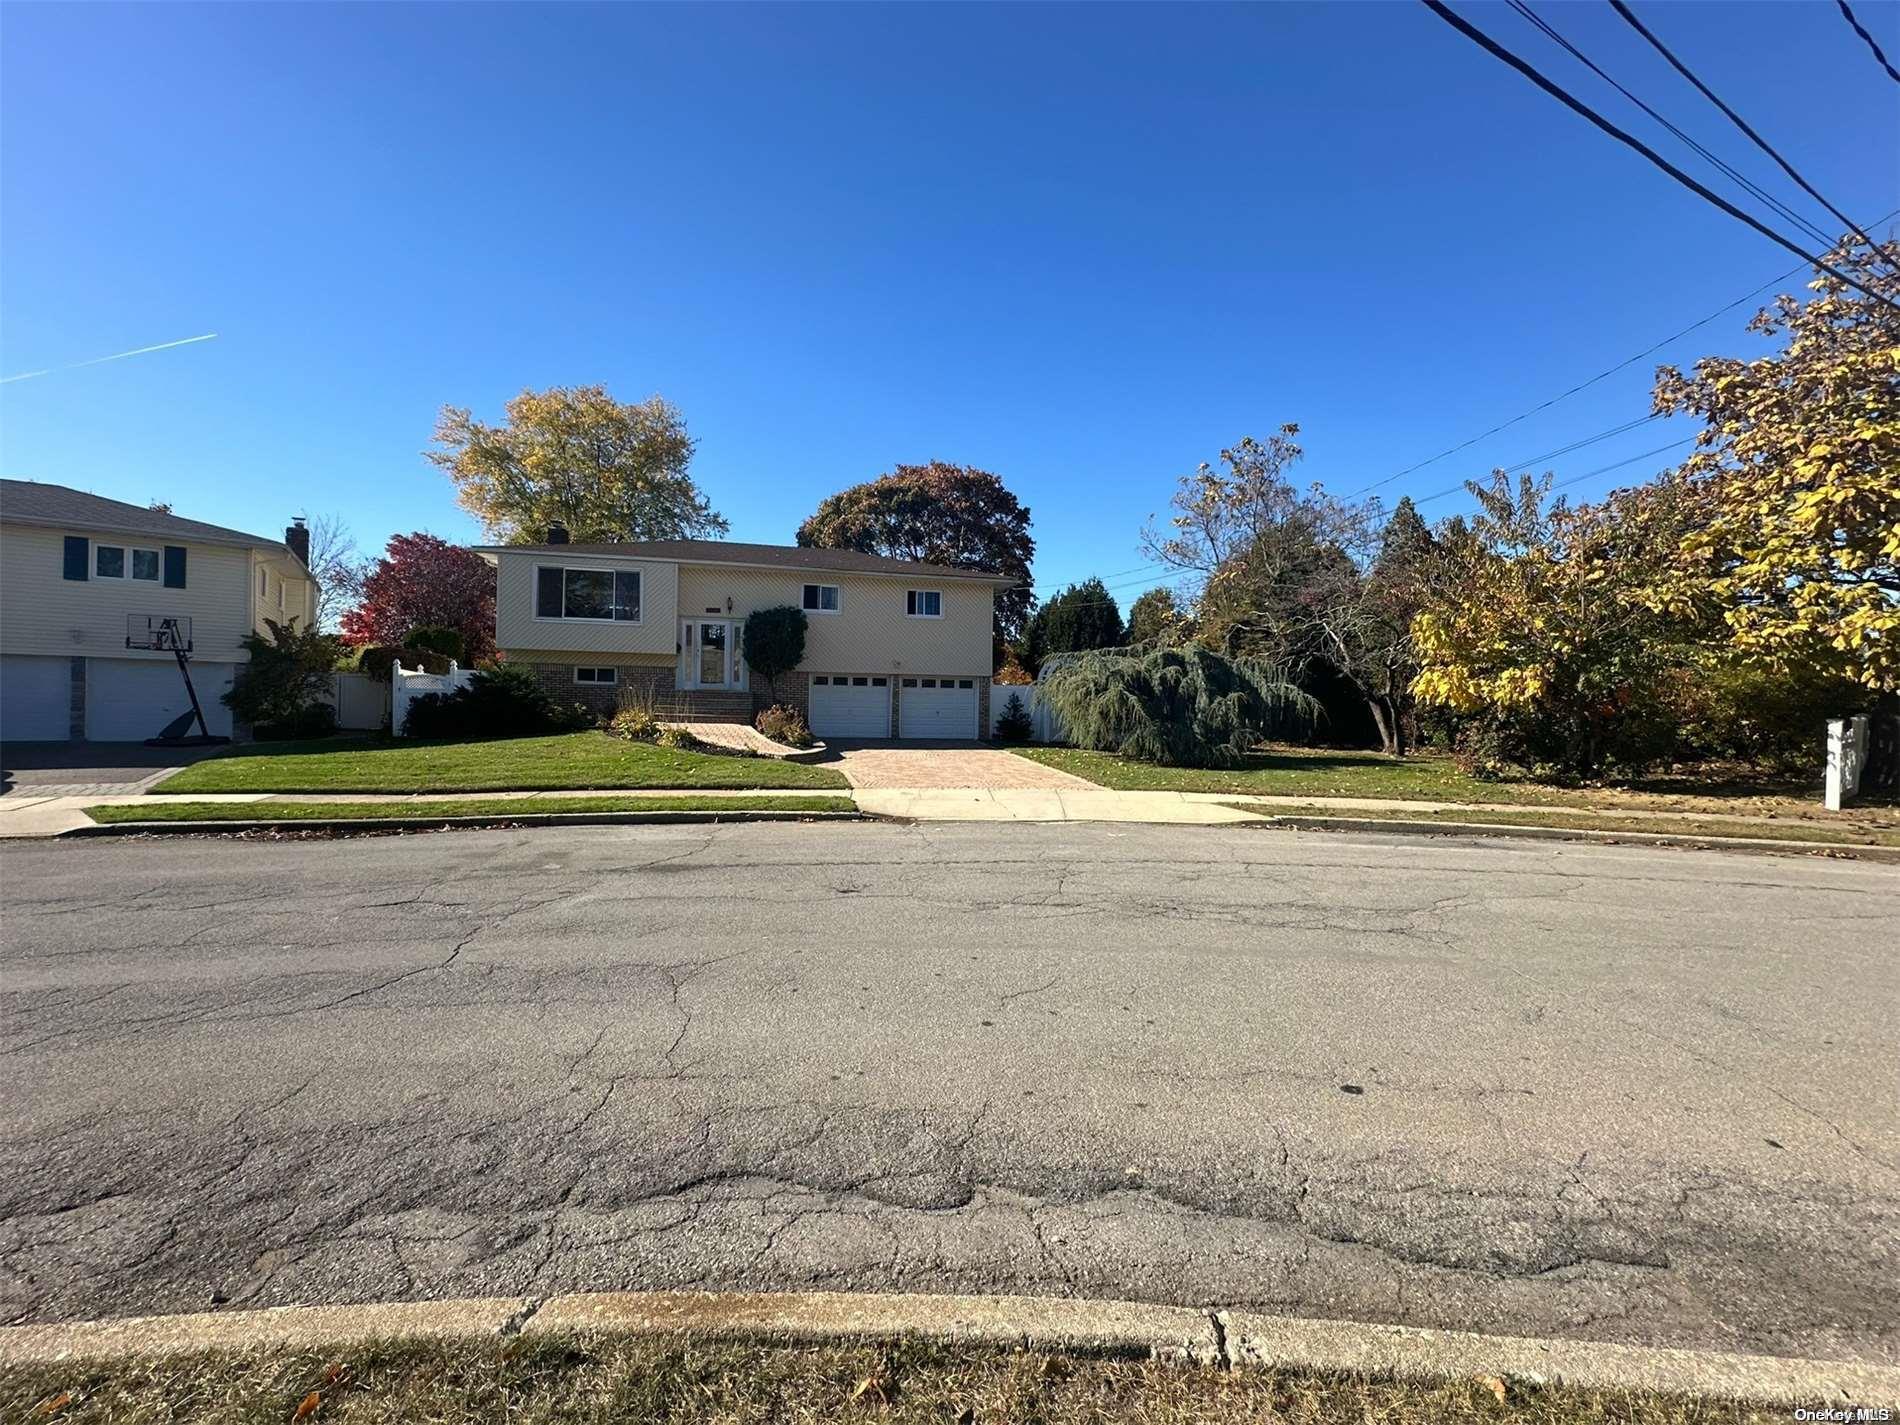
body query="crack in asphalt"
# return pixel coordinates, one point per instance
(552, 1096)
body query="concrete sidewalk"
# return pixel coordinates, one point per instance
(26, 815)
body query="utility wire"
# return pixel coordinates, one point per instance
(1629, 16)
(1603, 375)
(1819, 234)
(1872, 43)
(1569, 101)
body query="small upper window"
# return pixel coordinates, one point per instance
(145, 565)
(109, 561)
(923, 603)
(821, 598)
(263, 583)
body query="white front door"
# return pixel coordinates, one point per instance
(708, 648)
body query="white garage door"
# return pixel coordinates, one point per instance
(34, 696)
(844, 705)
(131, 699)
(937, 707)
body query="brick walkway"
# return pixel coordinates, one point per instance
(930, 766)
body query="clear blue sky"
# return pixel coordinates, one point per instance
(1083, 247)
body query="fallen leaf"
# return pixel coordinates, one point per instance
(53, 1404)
(334, 1372)
(1494, 1385)
(309, 1406)
(875, 1387)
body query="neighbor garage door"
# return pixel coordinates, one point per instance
(131, 699)
(35, 695)
(844, 705)
(937, 707)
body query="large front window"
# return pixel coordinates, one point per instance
(600, 595)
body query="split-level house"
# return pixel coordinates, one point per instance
(84, 580)
(892, 649)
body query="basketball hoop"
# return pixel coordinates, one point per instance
(161, 633)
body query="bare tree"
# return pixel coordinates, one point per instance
(338, 566)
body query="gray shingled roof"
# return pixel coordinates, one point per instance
(30, 502)
(774, 556)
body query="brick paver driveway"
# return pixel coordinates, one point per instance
(941, 764)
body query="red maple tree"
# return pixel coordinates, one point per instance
(422, 581)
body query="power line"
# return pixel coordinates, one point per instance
(1629, 16)
(1872, 43)
(1603, 375)
(1817, 233)
(1574, 479)
(1577, 106)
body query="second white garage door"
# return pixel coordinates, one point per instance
(937, 707)
(843, 705)
(131, 699)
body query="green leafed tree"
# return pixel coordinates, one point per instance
(1179, 707)
(936, 513)
(608, 470)
(1156, 618)
(1081, 617)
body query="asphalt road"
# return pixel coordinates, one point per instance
(1615, 1093)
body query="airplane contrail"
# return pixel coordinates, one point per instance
(116, 356)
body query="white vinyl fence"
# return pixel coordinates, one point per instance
(1847, 747)
(1040, 717)
(408, 684)
(361, 702)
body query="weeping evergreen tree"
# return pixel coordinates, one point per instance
(1179, 707)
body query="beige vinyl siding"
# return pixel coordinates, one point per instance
(870, 633)
(516, 627)
(43, 612)
(284, 574)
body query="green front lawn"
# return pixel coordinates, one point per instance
(516, 764)
(1433, 777)
(473, 806)
(1292, 772)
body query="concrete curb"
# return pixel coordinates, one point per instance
(1125, 1328)
(1758, 845)
(437, 823)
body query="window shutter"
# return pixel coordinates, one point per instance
(547, 593)
(78, 557)
(174, 566)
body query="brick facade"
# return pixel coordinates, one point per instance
(601, 698)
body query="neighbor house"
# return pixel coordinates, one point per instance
(83, 578)
(892, 648)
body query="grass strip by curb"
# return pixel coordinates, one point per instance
(461, 808)
(559, 1378)
(1683, 828)
(1479, 823)
(1547, 1379)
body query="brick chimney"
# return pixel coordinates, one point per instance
(557, 533)
(298, 538)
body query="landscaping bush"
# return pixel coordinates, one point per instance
(505, 700)
(437, 638)
(785, 724)
(634, 716)
(774, 641)
(1179, 707)
(316, 720)
(288, 673)
(1015, 724)
(680, 740)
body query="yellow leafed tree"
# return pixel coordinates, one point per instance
(1797, 473)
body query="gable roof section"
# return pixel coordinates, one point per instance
(30, 502)
(764, 556)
